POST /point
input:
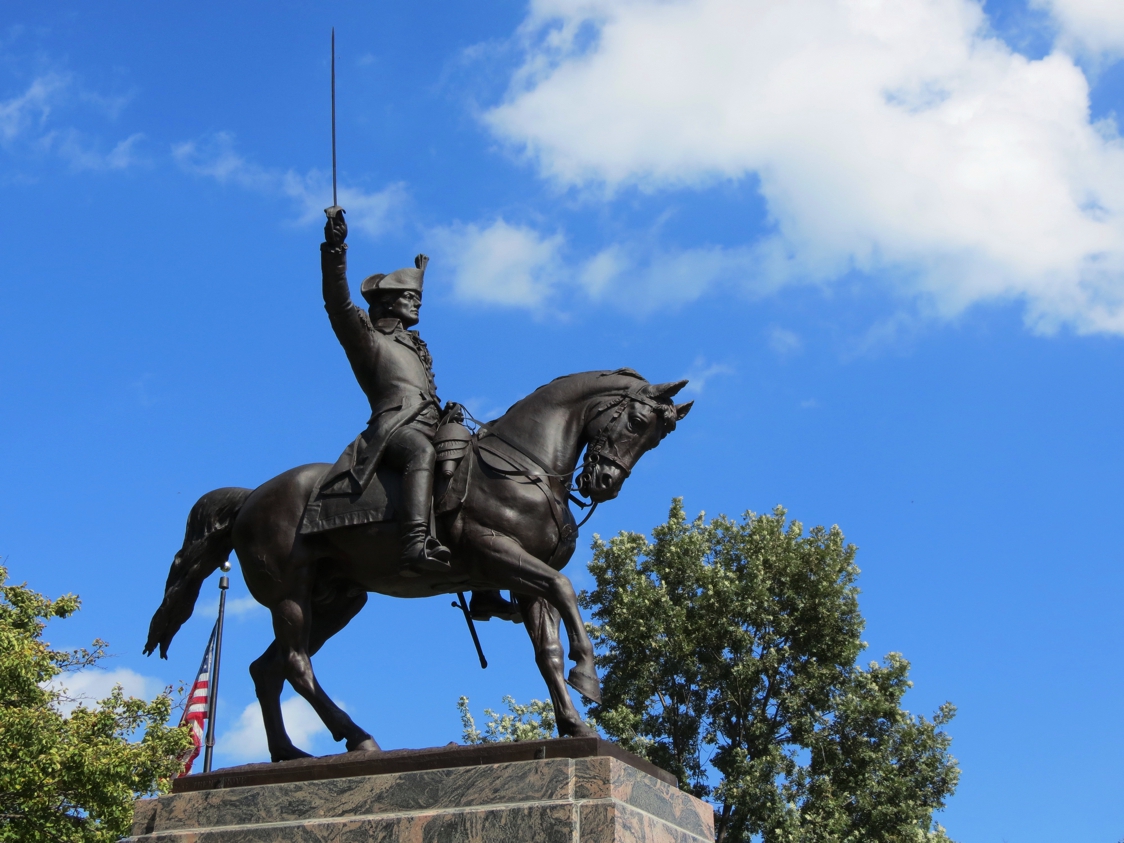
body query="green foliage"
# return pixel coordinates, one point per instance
(531, 722)
(70, 778)
(728, 654)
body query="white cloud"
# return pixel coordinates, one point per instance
(892, 137)
(501, 263)
(214, 156)
(245, 742)
(91, 685)
(1093, 26)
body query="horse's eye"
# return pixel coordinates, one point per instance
(633, 425)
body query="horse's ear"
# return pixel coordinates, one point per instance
(681, 410)
(665, 391)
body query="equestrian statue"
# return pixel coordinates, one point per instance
(418, 505)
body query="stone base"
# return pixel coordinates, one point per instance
(568, 790)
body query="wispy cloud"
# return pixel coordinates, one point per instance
(73, 147)
(897, 331)
(215, 156)
(236, 607)
(27, 122)
(784, 342)
(701, 373)
(641, 275)
(30, 109)
(520, 266)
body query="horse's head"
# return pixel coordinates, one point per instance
(620, 428)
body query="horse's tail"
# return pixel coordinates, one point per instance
(206, 546)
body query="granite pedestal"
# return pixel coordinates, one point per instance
(572, 790)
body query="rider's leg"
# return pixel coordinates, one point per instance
(411, 452)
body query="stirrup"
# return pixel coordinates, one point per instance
(435, 550)
(423, 563)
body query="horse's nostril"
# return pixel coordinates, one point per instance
(606, 479)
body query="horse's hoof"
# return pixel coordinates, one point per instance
(579, 731)
(585, 684)
(368, 745)
(289, 754)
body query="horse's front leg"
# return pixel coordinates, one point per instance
(541, 620)
(504, 561)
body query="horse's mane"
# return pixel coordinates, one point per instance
(665, 408)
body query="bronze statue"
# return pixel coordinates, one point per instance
(312, 542)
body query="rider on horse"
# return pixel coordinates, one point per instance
(395, 371)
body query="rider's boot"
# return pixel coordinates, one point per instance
(486, 605)
(421, 554)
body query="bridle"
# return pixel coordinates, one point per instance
(595, 452)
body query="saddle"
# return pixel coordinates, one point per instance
(379, 502)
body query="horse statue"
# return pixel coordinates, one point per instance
(510, 528)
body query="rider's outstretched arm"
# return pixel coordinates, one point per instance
(346, 318)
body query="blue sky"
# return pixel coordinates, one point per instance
(884, 239)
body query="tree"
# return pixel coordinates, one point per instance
(70, 777)
(531, 722)
(728, 654)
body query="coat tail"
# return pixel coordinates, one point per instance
(206, 545)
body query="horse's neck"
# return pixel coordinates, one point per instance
(548, 423)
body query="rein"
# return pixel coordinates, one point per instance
(594, 452)
(529, 474)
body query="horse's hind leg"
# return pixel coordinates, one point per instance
(292, 624)
(268, 671)
(541, 620)
(328, 618)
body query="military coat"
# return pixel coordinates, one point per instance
(394, 370)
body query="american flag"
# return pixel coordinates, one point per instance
(196, 713)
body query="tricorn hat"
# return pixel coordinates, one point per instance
(399, 281)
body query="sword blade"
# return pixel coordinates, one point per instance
(334, 202)
(463, 606)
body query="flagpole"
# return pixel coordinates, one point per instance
(213, 683)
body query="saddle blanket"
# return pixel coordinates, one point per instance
(375, 504)
(379, 502)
